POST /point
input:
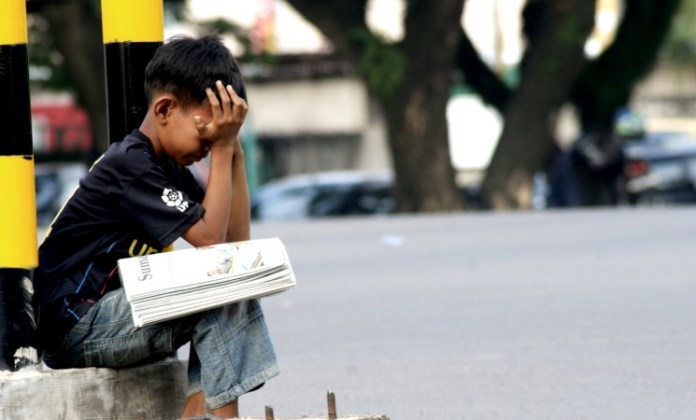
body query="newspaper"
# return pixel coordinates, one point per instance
(173, 284)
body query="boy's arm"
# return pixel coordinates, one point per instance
(238, 228)
(221, 132)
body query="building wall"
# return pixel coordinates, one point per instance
(325, 106)
(312, 125)
(667, 98)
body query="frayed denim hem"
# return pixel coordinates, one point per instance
(194, 388)
(242, 388)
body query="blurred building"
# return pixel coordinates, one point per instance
(310, 114)
(667, 98)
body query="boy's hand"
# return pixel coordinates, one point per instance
(228, 116)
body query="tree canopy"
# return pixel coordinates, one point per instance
(412, 79)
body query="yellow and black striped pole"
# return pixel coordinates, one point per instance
(18, 230)
(133, 29)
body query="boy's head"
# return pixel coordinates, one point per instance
(185, 67)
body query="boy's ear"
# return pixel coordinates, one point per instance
(162, 107)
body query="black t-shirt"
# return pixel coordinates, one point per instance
(131, 203)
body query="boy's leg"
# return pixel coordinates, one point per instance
(195, 401)
(235, 353)
(227, 411)
(195, 398)
(106, 337)
(232, 343)
(194, 406)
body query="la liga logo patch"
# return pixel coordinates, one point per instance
(173, 198)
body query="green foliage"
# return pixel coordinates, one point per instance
(381, 64)
(47, 70)
(222, 26)
(680, 45)
(607, 83)
(574, 31)
(177, 8)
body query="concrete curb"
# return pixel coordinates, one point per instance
(376, 417)
(150, 392)
(154, 391)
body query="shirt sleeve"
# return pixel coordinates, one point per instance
(163, 209)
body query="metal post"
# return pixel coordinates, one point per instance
(331, 402)
(132, 31)
(269, 413)
(18, 230)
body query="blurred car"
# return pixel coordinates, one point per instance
(660, 168)
(324, 194)
(55, 183)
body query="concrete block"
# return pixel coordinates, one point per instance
(375, 417)
(151, 392)
(154, 391)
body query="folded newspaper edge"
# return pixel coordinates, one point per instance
(178, 283)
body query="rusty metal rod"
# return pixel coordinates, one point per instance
(269, 413)
(331, 401)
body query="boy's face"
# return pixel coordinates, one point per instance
(181, 140)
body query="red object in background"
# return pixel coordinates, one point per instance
(60, 127)
(636, 168)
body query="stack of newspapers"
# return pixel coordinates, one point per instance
(173, 284)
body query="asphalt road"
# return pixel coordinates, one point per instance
(553, 315)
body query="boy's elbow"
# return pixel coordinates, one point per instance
(211, 240)
(199, 236)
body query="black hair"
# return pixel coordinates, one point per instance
(186, 66)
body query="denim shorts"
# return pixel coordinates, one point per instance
(231, 350)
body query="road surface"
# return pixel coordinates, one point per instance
(538, 315)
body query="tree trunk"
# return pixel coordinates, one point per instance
(411, 80)
(479, 76)
(416, 114)
(553, 63)
(425, 178)
(606, 84)
(77, 33)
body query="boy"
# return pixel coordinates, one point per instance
(138, 199)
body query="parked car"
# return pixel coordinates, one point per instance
(660, 168)
(324, 194)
